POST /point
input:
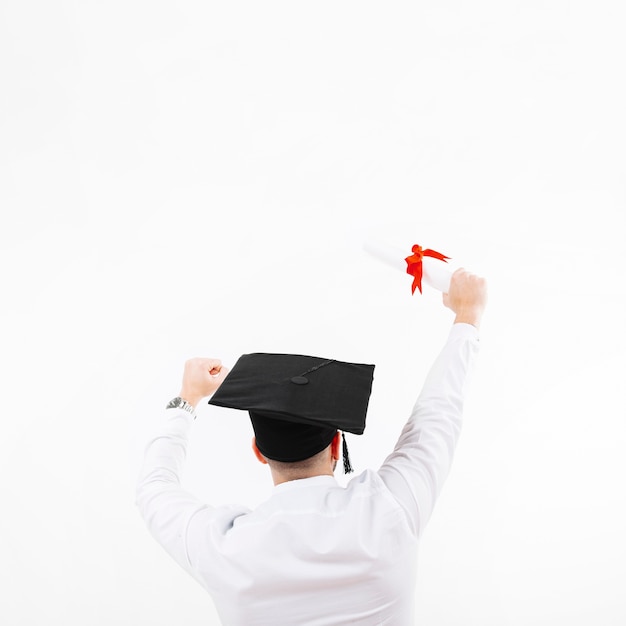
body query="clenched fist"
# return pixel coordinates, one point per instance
(201, 378)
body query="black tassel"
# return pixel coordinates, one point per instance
(347, 468)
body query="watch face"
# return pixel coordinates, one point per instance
(176, 402)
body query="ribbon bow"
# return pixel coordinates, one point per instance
(414, 264)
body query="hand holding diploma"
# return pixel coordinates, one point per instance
(467, 297)
(463, 292)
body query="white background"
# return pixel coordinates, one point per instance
(189, 178)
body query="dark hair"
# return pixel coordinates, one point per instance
(296, 467)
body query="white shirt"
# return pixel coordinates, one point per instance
(316, 553)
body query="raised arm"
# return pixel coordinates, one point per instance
(166, 508)
(417, 468)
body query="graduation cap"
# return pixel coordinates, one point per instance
(296, 402)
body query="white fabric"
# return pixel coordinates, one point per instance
(316, 553)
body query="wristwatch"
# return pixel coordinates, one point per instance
(179, 403)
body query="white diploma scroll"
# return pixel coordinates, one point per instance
(435, 273)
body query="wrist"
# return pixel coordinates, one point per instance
(190, 398)
(468, 316)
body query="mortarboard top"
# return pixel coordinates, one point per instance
(297, 402)
(297, 388)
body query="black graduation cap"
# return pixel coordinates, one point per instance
(297, 402)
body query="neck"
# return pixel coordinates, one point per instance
(284, 477)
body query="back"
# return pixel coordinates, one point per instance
(314, 553)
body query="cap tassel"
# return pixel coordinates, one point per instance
(347, 467)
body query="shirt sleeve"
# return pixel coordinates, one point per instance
(417, 468)
(165, 507)
(176, 519)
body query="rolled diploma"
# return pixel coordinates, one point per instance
(435, 273)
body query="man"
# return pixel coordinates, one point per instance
(315, 553)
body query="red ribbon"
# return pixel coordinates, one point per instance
(414, 264)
